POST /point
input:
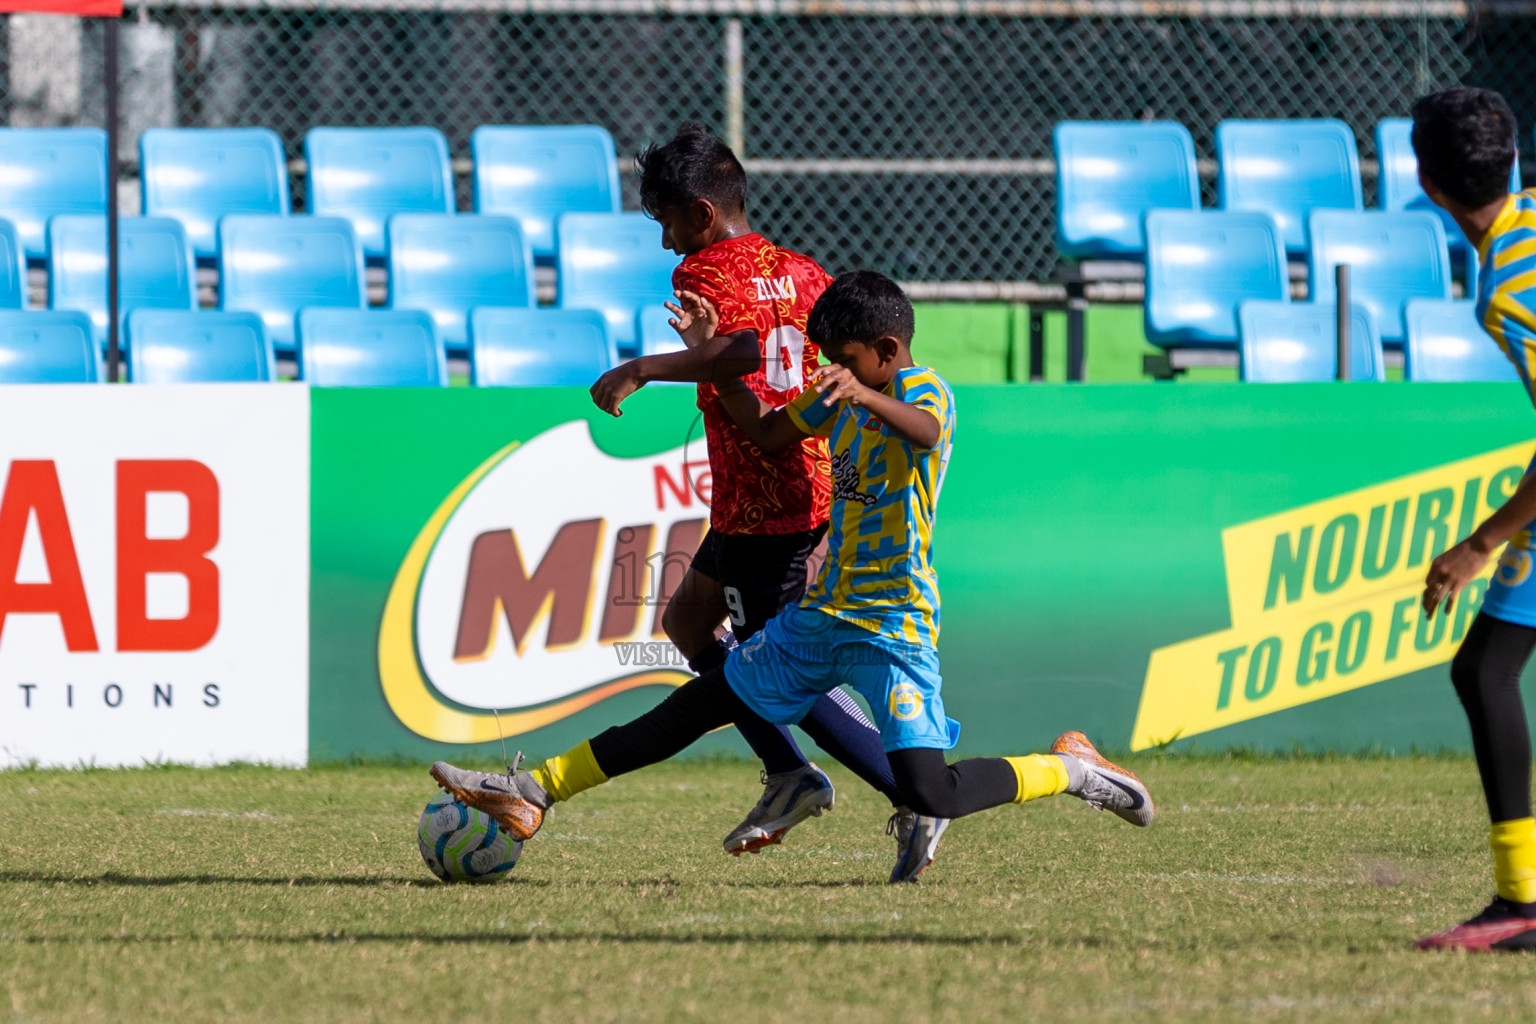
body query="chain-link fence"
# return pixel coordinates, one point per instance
(911, 136)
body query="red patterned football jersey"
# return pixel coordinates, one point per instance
(756, 285)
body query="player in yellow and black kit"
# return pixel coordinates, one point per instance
(872, 619)
(1465, 142)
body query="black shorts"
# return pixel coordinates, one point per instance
(760, 573)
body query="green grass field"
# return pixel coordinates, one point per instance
(1266, 890)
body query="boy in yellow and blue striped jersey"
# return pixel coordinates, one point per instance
(871, 621)
(1464, 139)
(875, 603)
(1506, 294)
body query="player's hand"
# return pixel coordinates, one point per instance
(616, 385)
(838, 384)
(1452, 571)
(694, 318)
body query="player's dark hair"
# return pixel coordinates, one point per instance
(861, 306)
(1465, 141)
(690, 166)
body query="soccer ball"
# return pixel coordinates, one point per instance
(460, 844)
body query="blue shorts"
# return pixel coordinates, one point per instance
(1511, 595)
(802, 653)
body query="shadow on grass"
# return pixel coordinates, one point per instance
(296, 882)
(522, 938)
(393, 881)
(838, 883)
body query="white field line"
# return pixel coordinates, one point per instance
(187, 812)
(1213, 876)
(1238, 1008)
(1311, 808)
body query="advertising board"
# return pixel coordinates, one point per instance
(1210, 565)
(154, 574)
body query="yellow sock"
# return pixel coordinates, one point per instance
(573, 771)
(1514, 858)
(1039, 775)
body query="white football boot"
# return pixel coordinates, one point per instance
(788, 799)
(917, 839)
(515, 799)
(1102, 783)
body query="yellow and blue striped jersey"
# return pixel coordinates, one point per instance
(1506, 294)
(878, 573)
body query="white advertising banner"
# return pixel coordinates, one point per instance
(154, 574)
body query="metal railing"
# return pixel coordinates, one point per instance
(911, 136)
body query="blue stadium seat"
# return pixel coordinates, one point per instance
(197, 175)
(1397, 181)
(1446, 343)
(654, 328)
(1393, 257)
(155, 268)
(386, 348)
(536, 173)
(614, 263)
(366, 174)
(47, 171)
(1296, 342)
(541, 348)
(1110, 173)
(48, 348)
(274, 266)
(13, 268)
(1200, 265)
(177, 347)
(1397, 186)
(1288, 169)
(446, 264)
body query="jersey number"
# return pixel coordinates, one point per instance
(784, 354)
(737, 609)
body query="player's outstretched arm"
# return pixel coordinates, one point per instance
(916, 426)
(726, 355)
(769, 428)
(1457, 567)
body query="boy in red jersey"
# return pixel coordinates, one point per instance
(768, 512)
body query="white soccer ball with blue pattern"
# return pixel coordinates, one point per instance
(460, 844)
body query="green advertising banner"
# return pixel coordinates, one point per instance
(1217, 565)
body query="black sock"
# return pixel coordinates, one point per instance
(840, 727)
(773, 744)
(1486, 673)
(931, 787)
(687, 713)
